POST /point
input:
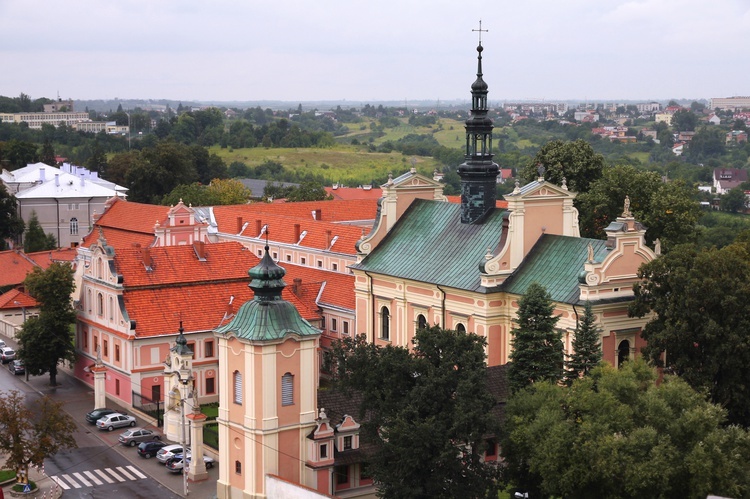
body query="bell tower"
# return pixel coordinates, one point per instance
(478, 172)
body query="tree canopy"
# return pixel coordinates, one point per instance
(537, 353)
(11, 225)
(30, 433)
(426, 411)
(576, 161)
(47, 340)
(619, 434)
(700, 301)
(35, 239)
(587, 348)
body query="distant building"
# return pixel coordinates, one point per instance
(726, 179)
(648, 107)
(730, 103)
(110, 127)
(60, 106)
(36, 120)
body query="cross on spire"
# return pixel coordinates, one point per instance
(480, 31)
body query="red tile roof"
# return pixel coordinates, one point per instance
(121, 219)
(338, 288)
(46, 258)
(14, 265)
(342, 193)
(330, 211)
(8, 300)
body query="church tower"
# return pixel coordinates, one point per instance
(478, 172)
(268, 389)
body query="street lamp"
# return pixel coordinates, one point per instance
(23, 309)
(183, 440)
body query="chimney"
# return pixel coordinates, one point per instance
(296, 286)
(318, 214)
(200, 249)
(82, 181)
(296, 233)
(328, 239)
(57, 179)
(42, 176)
(148, 262)
(258, 227)
(230, 307)
(239, 225)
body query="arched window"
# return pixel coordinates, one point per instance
(99, 304)
(421, 322)
(237, 382)
(111, 309)
(98, 268)
(385, 327)
(623, 352)
(287, 389)
(461, 328)
(73, 226)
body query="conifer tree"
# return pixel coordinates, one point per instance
(537, 353)
(587, 349)
(48, 153)
(35, 239)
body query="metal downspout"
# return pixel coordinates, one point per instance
(372, 297)
(442, 304)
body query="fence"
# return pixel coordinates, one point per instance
(154, 408)
(211, 434)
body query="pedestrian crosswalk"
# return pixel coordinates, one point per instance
(90, 478)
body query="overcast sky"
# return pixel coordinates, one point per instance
(365, 51)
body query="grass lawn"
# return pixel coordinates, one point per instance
(351, 165)
(211, 411)
(6, 475)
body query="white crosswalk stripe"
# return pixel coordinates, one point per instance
(92, 478)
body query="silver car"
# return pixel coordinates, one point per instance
(134, 436)
(116, 420)
(168, 452)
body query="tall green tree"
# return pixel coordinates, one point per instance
(699, 304)
(47, 340)
(587, 346)
(734, 201)
(619, 434)
(35, 239)
(426, 412)
(575, 161)
(684, 120)
(30, 433)
(308, 191)
(47, 155)
(537, 353)
(11, 225)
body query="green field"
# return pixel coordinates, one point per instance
(350, 165)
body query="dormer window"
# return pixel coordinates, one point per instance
(324, 451)
(348, 442)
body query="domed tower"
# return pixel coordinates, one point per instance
(478, 172)
(268, 358)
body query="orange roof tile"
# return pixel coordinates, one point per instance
(15, 299)
(348, 193)
(119, 238)
(125, 222)
(45, 258)
(330, 211)
(338, 288)
(14, 265)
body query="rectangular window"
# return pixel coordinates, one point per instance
(210, 386)
(364, 471)
(237, 387)
(275, 255)
(348, 442)
(346, 327)
(96, 344)
(289, 258)
(85, 337)
(209, 347)
(106, 348)
(117, 383)
(342, 475)
(302, 260)
(287, 389)
(334, 325)
(238, 467)
(491, 448)
(335, 267)
(320, 264)
(117, 353)
(155, 355)
(323, 451)
(260, 253)
(191, 346)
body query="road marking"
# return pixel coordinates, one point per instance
(92, 477)
(83, 480)
(104, 476)
(125, 472)
(117, 477)
(136, 472)
(72, 482)
(60, 482)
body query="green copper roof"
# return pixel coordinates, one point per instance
(430, 244)
(259, 320)
(555, 262)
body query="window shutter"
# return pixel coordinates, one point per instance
(237, 387)
(287, 389)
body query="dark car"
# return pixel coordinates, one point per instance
(16, 367)
(149, 449)
(95, 415)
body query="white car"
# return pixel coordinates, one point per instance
(7, 354)
(177, 463)
(116, 420)
(168, 452)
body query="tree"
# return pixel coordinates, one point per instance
(575, 161)
(47, 340)
(97, 162)
(619, 434)
(308, 191)
(47, 155)
(161, 169)
(684, 120)
(428, 412)
(707, 142)
(734, 201)
(537, 353)
(699, 304)
(35, 238)
(11, 225)
(31, 433)
(229, 191)
(587, 348)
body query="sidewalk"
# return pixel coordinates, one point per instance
(78, 399)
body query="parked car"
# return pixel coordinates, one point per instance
(16, 367)
(115, 420)
(97, 414)
(168, 452)
(7, 354)
(149, 449)
(2, 344)
(177, 463)
(134, 436)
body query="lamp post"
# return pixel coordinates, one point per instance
(183, 439)
(23, 309)
(128, 130)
